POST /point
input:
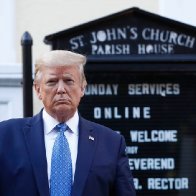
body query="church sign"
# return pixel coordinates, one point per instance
(128, 40)
(132, 32)
(141, 74)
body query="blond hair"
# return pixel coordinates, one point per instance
(60, 58)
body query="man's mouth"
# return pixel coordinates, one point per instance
(63, 101)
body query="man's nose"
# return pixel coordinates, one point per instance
(61, 87)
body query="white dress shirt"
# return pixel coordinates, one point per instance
(50, 135)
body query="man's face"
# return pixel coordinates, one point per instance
(60, 89)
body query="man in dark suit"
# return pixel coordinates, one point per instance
(99, 166)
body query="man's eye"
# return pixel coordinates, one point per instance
(51, 82)
(70, 81)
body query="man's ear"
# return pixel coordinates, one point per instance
(83, 89)
(37, 90)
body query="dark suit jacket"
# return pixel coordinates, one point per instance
(101, 168)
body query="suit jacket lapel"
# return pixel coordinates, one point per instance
(86, 149)
(34, 137)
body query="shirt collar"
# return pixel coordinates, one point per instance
(50, 123)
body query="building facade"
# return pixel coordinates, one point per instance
(41, 18)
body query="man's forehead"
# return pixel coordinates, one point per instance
(57, 74)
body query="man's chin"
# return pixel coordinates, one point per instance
(62, 107)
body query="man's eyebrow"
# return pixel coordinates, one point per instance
(67, 74)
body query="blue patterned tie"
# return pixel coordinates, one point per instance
(61, 165)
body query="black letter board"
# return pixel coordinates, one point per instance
(141, 74)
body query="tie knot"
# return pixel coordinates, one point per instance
(61, 127)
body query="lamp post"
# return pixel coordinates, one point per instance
(27, 81)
